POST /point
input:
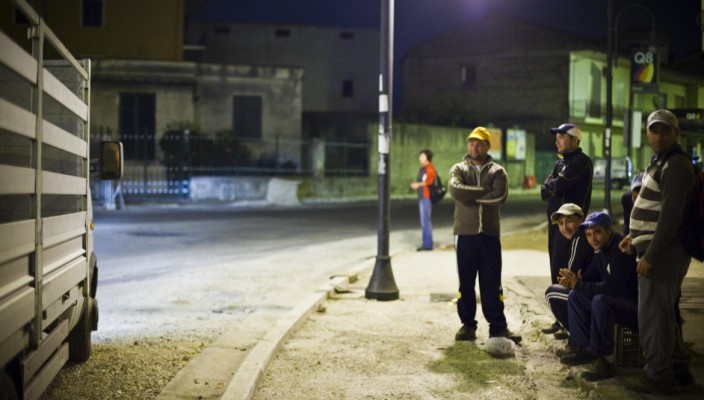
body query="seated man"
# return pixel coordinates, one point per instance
(571, 251)
(604, 294)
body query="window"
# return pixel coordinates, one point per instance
(347, 35)
(138, 125)
(348, 88)
(92, 13)
(468, 76)
(222, 30)
(247, 116)
(283, 33)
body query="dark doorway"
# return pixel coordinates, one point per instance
(247, 116)
(137, 125)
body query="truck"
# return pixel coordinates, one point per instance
(48, 267)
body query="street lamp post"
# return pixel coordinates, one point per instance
(382, 285)
(611, 48)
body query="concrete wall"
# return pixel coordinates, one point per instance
(328, 55)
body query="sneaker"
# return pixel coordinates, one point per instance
(515, 338)
(466, 333)
(682, 375)
(554, 328)
(579, 357)
(564, 352)
(601, 369)
(648, 385)
(424, 249)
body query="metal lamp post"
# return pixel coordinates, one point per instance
(611, 48)
(382, 285)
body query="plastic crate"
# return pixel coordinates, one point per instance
(627, 350)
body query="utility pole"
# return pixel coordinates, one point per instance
(382, 285)
(609, 105)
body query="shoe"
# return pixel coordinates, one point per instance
(601, 369)
(466, 333)
(579, 357)
(554, 328)
(562, 335)
(424, 249)
(515, 338)
(682, 375)
(567, 351)
(648, 385)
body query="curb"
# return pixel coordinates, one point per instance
(244, 382)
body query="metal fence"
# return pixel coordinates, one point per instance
(163, 166)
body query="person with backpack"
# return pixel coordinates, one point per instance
(657, 215)
(426, 179)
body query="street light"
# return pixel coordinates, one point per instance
(611, 48)
(382, 285)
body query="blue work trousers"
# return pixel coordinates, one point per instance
(480, 255)
(592, 321)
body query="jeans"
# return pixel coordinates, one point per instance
(426, 208)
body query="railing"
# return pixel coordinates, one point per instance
(162, 167)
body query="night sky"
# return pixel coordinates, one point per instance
(417, 20)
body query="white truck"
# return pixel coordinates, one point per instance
(48, 270)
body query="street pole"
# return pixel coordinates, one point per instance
(382, 285)
(609, 106)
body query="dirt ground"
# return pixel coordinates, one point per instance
(355, 348)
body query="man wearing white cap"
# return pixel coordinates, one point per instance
(569, 182)
(663, 262)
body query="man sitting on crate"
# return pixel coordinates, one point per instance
(604, 295)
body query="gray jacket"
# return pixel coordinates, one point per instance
(478, 197)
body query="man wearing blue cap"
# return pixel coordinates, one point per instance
(605, 294)
(569, 182)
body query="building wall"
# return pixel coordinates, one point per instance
(132, 29)
(199, 95)
(328, 55)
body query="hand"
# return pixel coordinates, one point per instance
(416, 185)
(625, 245)
(643, 267)
(568, 278)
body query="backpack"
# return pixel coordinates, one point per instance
(437, 190)
(691, 232)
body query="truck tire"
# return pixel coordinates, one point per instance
(7, 387)
(79, 344)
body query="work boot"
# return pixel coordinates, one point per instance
(648, 385)
(601, 369)
(514, 337)
(562, 335)
(581, 356)
(554, 328)
(466, 333)
(566, 351)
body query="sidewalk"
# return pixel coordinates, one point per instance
(353, 348)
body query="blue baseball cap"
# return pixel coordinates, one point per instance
(595, 219)
(570, 129)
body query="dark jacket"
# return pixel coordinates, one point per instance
(569, 182)
(611, 272)
(574, 254)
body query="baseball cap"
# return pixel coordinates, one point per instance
(637, 182)
(480, 133)
(566, 209)
(663, 116)
(595, 219)
(570, 129)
